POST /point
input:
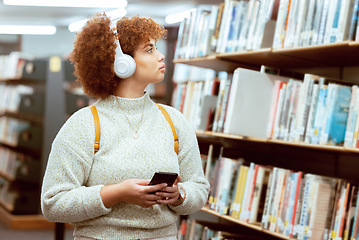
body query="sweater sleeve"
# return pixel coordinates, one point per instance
(65, 196)
(193, 180)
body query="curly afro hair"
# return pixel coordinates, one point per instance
(94, 50)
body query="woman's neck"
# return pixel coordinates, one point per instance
(128, 88)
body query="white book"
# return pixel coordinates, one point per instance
(309, 130)
(191, 33)
(349, 133)
(276, 126)
(299, 24)
(276, 199)
(280, 24)
(248, 113)
(241, 24)
(262, 178)
(333, 12)
(356, 125)
(292, 18)
(316, 22)
(253, 25)
(205, 48)
(331, 98)
(323, 22)
(306, 33)
(267, 203)
(246, 25)
(225, 25)
(247, 192)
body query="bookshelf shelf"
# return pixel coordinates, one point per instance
(212, 62)
(336, 54)
(333, 161)
(322, 56)
(24, 221)
(223, 137)
(27, 117)
(242, 223)
(7, 206)
(6, 176)
(354, 43)
(269, 57)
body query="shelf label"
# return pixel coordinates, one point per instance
(55, 64)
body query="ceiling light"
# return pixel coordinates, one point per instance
(114, 14)
(77, 26)
(178, 17)
(27, 29)
(69, 3)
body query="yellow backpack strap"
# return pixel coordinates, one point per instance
(97, 128)
(169, 120)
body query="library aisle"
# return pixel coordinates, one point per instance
(40, 234)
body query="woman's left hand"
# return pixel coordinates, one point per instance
(169, 194)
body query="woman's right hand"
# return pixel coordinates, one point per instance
(133, 191)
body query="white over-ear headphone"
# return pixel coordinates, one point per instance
(125, 65)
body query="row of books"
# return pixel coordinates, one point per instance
(12, 66)
(239, 25)
(7, 198)
(11, 130)
(305, 23)
(8, 159)
(314, 110)
(191, 229)
(294, 204)
(10, 96)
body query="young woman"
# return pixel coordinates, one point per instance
(106, 195)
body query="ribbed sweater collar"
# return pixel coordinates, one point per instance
(126, 104)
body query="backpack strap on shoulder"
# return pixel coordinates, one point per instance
(97, 128)
(169, 120)
(98, 131)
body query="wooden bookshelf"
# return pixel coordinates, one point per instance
(214, 62)
(245, 224)
(341, 54)
(269, 57)
(333, 161)
(6, 176)
(30, 222)
(336, 54)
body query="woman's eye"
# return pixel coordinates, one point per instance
(150, 50)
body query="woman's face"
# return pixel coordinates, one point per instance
(149, 63)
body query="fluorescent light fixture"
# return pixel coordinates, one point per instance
(114, 14)
(27, 29)
(117, 13)
(69, 3)
(178, 17)
(77, 26)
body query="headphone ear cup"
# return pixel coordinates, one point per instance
(124, 66)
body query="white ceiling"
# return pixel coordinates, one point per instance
(156, 9)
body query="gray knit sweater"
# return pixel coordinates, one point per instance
(75, 175)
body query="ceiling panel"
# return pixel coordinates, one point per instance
(157, 9)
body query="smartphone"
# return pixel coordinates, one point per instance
(163, 177)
